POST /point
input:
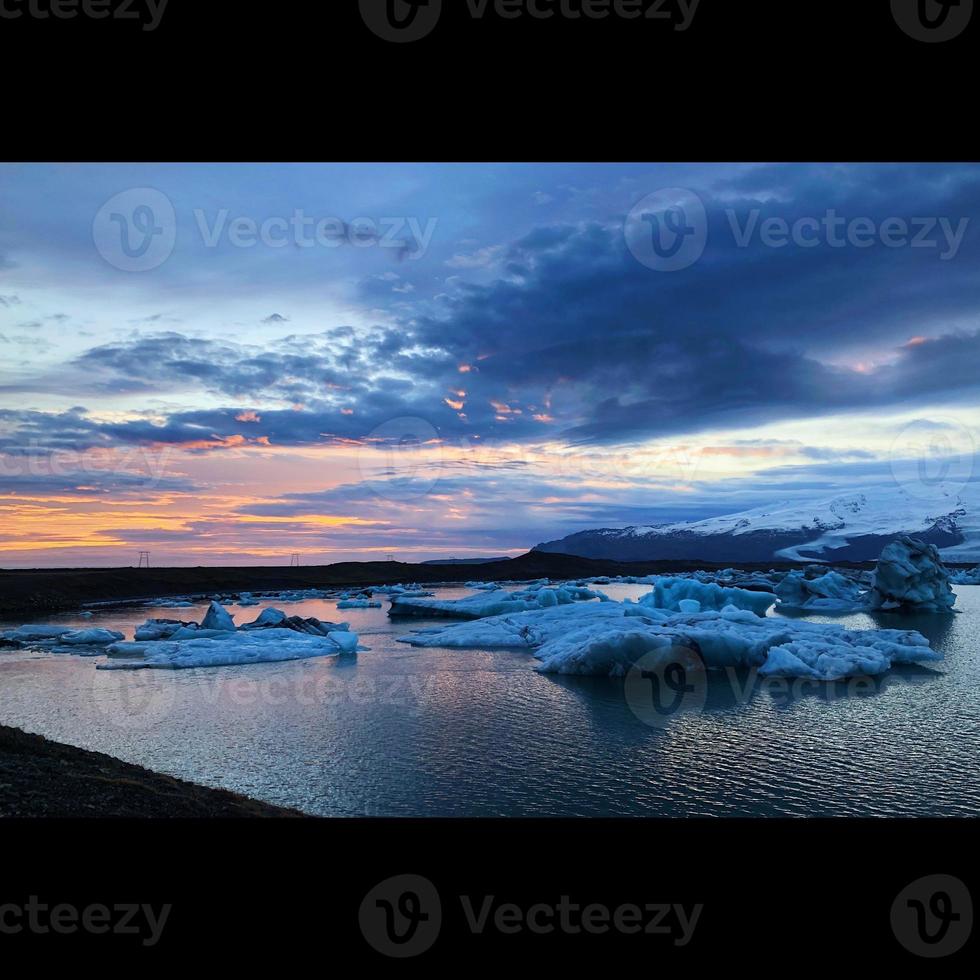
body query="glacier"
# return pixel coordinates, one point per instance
(846, 527)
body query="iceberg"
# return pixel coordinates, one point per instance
(218, 618)
(966, 576)
(268, 617)
(829, 592)
(358, 604)
(607, 640)
(912, 578)
(539, 595)
(92, 637)
(228, 649)
(669, 593)
(35, 634)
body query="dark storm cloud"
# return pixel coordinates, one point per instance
(577, 340)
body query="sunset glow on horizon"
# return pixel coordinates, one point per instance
(488, 369)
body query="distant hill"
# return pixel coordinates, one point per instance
(852, 527)
(464, 561)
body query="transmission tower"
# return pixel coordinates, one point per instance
(144, 560)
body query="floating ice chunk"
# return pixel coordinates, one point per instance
(33, 634)
(228, 649)
(358, 604)
(830, 592)
(912, 578)
(92, 637)
(345, 640)
(268, 617)
(537, 595)
(966, 576)
(158, 629)
(668, 594)
(218, 618)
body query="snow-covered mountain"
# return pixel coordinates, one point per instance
(849, 527)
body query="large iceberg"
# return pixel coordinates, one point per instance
(608, 639)
(912, 578)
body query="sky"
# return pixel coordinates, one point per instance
(235, 364)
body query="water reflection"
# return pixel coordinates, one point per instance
(429, 732)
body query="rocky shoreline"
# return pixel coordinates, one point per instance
(41, 778)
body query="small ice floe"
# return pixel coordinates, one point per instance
(92, 637)
(966, 576)
(60, 639)
(358, 604)
(912, 578)
(271, 638)
(35, 634)
(608, 639)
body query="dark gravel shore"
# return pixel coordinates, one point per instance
(31, 593)
(39, 778)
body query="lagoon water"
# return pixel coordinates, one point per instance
(400, 731)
